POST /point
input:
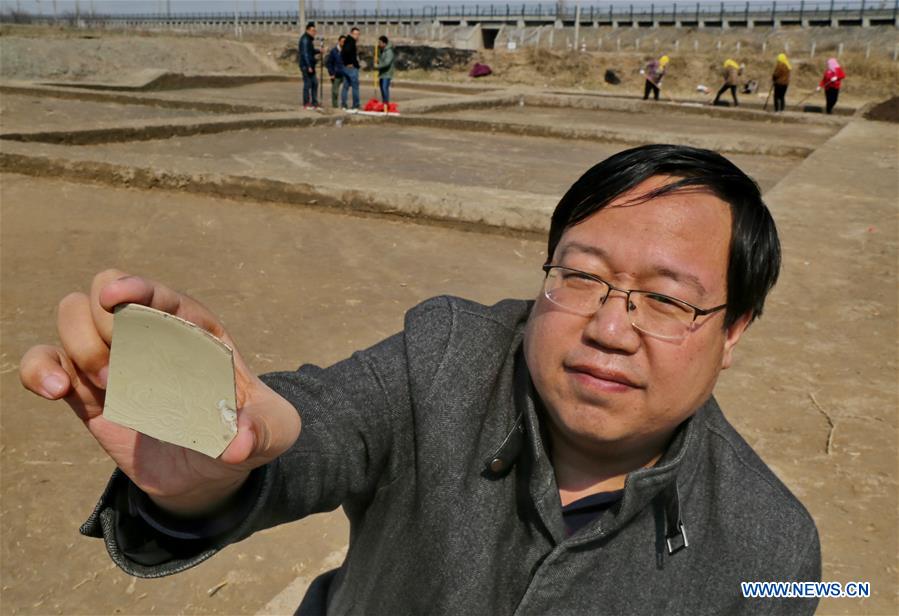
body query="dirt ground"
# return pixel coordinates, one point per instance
(288, 93)
(19, 112)
(813, 388)
(365, 157)
(667, 123)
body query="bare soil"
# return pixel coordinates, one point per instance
(887, 111)
(368, 157)
(662, 123)
(19, 112)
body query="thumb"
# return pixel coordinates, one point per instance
(246, 444)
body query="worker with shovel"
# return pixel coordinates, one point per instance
(781, 81)
(831, 82)
(654, 72)
(732, 72)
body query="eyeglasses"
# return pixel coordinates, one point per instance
(655, 314)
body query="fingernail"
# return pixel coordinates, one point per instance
(103, 376)
(54, 385)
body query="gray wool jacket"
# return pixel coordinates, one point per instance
(431, 442)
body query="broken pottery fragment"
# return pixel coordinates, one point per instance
(171, 380)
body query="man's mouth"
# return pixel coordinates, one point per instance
(600, 379)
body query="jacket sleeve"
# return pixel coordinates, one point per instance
(329, 63)
(355, 437)
(806, 568)
(307, 52)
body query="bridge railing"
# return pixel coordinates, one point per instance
(731, 10)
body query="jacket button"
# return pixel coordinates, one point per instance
(497, 465)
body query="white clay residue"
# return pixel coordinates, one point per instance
(229, 416)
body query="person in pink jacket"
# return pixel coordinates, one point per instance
(831, 82)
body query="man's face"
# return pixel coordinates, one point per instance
(607, 386)
(311, 31)
(382, 44)
(355, 34)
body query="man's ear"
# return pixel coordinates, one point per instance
(731, 337)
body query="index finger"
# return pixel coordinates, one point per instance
(137, 290)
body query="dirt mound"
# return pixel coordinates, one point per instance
(424, 57)
(408, 57)
(113, 57)
(887, 111)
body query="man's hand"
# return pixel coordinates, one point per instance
(311, 70)
(178, 479)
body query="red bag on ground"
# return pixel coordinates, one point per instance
(374, 104)
(479, 70)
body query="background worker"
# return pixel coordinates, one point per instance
(306, 58)
(654, 72)
(386, 59)
(334, 64)
(731, 80)
(350, 57)
(781, 81)
(831, 82)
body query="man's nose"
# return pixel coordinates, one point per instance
(610, 326)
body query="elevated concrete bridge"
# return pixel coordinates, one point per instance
(730, 14)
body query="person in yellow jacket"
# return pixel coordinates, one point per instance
(781, 81)
(654, 72)
(732, 72)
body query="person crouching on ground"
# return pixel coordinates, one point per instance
(306, 58)
(386, 59)
(781, 81)
(334, 64)
(831, 82)
(654, 72)
(731, 79)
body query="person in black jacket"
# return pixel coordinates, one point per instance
(334, 64)
(350, 58)
(306, 59)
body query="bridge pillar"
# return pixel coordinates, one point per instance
(750, 24)
(866, 22)
(558, 25)
(520, 23)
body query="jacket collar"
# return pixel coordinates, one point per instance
(666, 480)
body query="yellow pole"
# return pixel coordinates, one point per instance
(377, 85)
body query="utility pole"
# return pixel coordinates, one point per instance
(301, 26)
(577, 23)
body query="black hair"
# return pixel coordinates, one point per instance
(342, 37)
(311, 24)
(354, 29)
(754, 259)
(383, 39)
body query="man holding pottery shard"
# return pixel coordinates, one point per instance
(557, 456)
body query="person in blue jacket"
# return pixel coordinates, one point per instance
(306, 59)
(334, 64)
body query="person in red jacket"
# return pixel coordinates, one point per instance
(831, 82)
